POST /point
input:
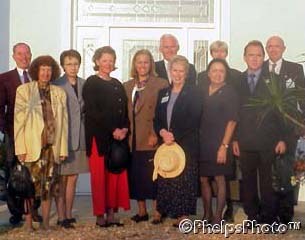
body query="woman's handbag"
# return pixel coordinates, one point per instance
(118, 156)
(283, 177)
(21, 187)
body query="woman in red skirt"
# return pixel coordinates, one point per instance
(105, 119)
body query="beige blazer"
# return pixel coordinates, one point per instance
(145, 111)
(29, 124)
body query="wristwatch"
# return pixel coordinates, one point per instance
(225, 145)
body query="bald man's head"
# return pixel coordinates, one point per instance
(275, 48)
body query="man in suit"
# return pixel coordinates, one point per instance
(9, 81)
(219, 49)
(169, 47)
(291, 75)
(257, 140)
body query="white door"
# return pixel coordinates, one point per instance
(127, 41)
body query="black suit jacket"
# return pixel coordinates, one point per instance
(9, 81)
(253, 134)
(232, 78)
(291, 76)
(161, 71)
(185, 119)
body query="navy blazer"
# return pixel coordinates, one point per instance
(185, 120)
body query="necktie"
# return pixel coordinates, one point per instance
(273, 66)
(25, 77)
(252, 82)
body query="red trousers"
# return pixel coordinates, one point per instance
(108, 190)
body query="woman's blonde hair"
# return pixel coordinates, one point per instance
(181, 60)
(133, 71)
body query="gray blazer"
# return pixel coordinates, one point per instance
(75, 107)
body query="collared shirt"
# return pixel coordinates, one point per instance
(277, 67)
(20, 72)
(166, 63)
(257, 73)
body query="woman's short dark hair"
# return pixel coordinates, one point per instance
(152, 71)
(221, 61)
(44, 60)
(218, 60)
(98, 54)
(69, 53)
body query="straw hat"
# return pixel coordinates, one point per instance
(169, 161)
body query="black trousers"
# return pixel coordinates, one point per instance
(258, 195)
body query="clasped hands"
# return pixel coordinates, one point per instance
(119, 133)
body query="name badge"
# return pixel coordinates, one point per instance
(164, 99)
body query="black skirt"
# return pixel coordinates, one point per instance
(140, 174)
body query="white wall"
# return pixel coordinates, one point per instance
(261, 19)
(4, 34)
(41, 27)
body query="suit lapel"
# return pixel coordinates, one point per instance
(163, 68)
(54, 99)
(80, 92)
(163, 107)
(283, 70)
(179, 104)
(16, 78)
(145, 93)
(245, 83)
(71, 91)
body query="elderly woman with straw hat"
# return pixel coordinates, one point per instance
(177, 121)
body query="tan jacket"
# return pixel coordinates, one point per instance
(145, 111)
(29, 124)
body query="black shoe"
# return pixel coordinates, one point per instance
(137, 218)
(15, 220)
(71, 220)
(228, 216)
(65, 224)
(114, 224)
(104, 225)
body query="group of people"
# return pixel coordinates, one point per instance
(60, 127)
